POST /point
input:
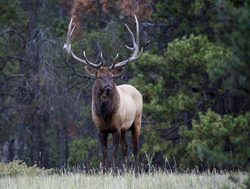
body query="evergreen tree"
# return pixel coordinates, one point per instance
(233, 33)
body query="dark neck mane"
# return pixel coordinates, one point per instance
(105, 106)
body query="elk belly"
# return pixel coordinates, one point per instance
(129, 116)
(127, 107)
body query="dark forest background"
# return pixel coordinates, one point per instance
(194, 76)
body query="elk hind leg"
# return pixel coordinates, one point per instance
(124, 147)
(136, 128)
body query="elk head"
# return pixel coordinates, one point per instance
(105, 75)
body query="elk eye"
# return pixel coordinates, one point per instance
(100, 78)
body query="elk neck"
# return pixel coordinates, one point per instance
(105, 105)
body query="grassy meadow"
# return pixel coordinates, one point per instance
(17, 175)
(144, 181)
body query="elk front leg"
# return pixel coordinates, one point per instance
(103, 136)
(116, 141)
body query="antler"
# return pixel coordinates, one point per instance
(136, 52)
(67, 47)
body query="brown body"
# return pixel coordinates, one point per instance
(115, 109)
(112, 113)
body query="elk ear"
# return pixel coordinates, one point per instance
(118, 71)
(90, 70)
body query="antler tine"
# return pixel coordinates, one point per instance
(133, 38)
(113, 64)
(102, 60)
(92, 64)
(67, 47)
(137, 53)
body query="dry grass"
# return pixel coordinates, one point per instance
(127, 181)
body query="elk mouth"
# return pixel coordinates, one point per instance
(106, 92)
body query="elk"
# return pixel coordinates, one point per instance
(116, 109)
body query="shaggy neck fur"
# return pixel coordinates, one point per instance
(106, 104)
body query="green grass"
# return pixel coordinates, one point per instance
(127, 181)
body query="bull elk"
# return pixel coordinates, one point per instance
(115, 109)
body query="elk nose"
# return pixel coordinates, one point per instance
(107, 87)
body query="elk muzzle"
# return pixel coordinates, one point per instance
(107, 87)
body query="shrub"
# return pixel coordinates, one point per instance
(219, 141)
(19, 168)
(82, 150)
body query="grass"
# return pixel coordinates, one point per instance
(127, 181)
(17, 175)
